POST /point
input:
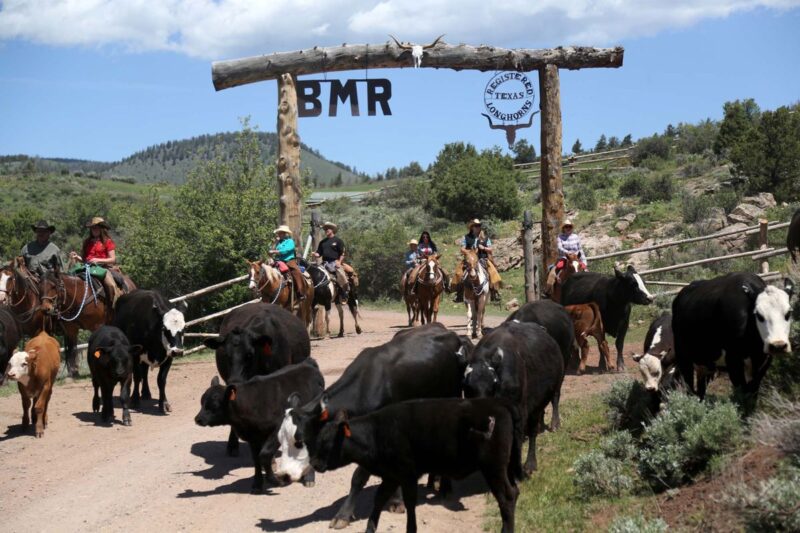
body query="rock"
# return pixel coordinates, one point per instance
(636, 237)
(507, 253)
(715, 221)
(625, 221)
(764, 200)
(746, 213)
(512, 304)
(735, 242)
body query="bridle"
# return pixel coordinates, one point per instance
(423, 277)
(260, 287)
(61, 290)
(474, 280)
(23, 280)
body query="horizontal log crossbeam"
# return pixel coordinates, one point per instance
(235, 72)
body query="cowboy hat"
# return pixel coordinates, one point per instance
(98, 221)
(283, 229)
(330, 225)
(43, 224)
(412, 241)
(473, 222)
(567, 222)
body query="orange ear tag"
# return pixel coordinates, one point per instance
(97, 354)
(323, 416)
(347, 432)
(267, 349)
(232, 395)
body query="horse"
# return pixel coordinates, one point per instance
(476, 293)
(412, 306)
(430, 285)
(268, 282)
(572, 266)
(19, 290)
(326, 293)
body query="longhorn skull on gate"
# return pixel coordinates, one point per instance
(511, 130)
(416, 49)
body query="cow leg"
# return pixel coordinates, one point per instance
(410, 499)
(555, 419)
(504, 492)
(534, 417)
(309, 478)
(163, 371)
(145, 368)
(686, 369)
(340, 310)
(620, 343)
(233, 444)
(258, 481)
(125, 398)
(605, 353)
(137, 378)
(385, 491)
(352, 304)
(582, 350)
(40, 409)
(108, 403)
(26, 405)
(345, 513)
(96, 397)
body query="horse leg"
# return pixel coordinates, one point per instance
(436, 300)
(341, 318)
(470, 321)
(328, 320)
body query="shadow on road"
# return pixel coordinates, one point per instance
(12, 432)
(214, 454)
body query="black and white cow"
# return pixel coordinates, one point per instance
(614, 296)
(111, 358)
(736, 316)
(148, 319)
(255, 409)
(403, 441)
(522, 363)
(423, 362)
(657, 362)
(255, 340)
(552, 317)
(10, 335)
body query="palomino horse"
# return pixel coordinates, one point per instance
(572, 266)
(326, 293)
(76, 305)
(430, 285)
(19, 290)
(269, 283)
(412, 306)
(476, 293)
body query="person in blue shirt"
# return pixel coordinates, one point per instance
(411, 254)
(285, 251)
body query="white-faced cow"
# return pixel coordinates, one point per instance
(657, 362)
(256, 340)
(736, 316)
(424, 362)
(148, 319)
(614, 296)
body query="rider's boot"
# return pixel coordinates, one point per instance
(459, 297)
(494, 295)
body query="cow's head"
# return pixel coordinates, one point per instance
(651, 370)
(634, 289)
(172, 326)
(117, 358)
(212, 404)
(327, 454)
(773, 317)
(21, 366)
(300, 430)
(245, 352)
(480, 376)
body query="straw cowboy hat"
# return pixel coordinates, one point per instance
(412, 241)
(98, 221)
(330, 225)
(473, 222)
(567, 222)
(283, 229)
(43, 224)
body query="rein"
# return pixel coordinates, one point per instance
(26, 285)
(262, 287)
(481, 287)
(61, 288)
(422, 277)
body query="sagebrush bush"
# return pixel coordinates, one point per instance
(684, 437)
(619, 445)
(599, 475)
(773, 505)
(637, 524)
(656, 146)
(694, 208)
(660, 188)
(620, 210)
(583, 198)
(778, 424)
(630, 405)
(632, 185)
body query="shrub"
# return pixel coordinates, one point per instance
(637, 524)
(684, 437)
(772, 505)
(620, 210)
(779, 426)
(660, 188)
(583, 197)
(599, 475)
(619, 445)
(694, 208)
(630, 406)
(726, 199)
(375, 252)
(656, 146)
(632, 185)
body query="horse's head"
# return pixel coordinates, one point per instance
(431, 268)
(255, 271)
(471, 263)
(15, 281)
(48, 292)
(262, 274)
(573, 263)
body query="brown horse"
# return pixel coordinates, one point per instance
(19, 290)
(476, 293)
(412, 306)
(430, 285)
(573, 266)
(268, 282)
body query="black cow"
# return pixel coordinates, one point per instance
(736, 316)
(148, 319)
(522, 363)
(255, 340)
(423, 362)
(657, 362)
(793, 236)
(552, 317)
(255, 409)
(111, 358)
(614, 296)
(10, 335)
(403, 441)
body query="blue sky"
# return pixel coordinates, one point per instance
(107, 89)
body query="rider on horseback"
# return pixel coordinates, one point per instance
(41, 254)
(425, 249)
(568, 243)
(99, 252)
(331, 250)
(477, 240)
(285, 251)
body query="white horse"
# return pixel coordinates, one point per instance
(476, 293)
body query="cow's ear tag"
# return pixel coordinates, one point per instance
(267, 349)
(347, 432)
(97, 354)
(324, 415)
(232, 395)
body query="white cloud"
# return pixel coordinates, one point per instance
(218, 29)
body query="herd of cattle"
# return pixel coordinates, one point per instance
(427, 401)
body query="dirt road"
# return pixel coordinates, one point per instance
(168, 474)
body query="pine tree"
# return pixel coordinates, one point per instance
(602, 144)
(577, 148)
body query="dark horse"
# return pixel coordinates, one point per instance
(76, 305)
(326, 293)
(19, 290)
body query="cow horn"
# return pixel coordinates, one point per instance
(399, 44)
(439, 38)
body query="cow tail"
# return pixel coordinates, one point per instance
(515, 470)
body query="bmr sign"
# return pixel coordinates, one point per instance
(309, 96)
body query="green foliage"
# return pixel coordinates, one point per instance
(583, 197)
(15, 231)
(656, 146)
(696, 138)
(772, 505)
(626, 141)
(601, 144)
(684, 437)
(524, 152)
(694, 208)
(658, 189)
(376, 251)
(739, 119)
(577, 148)
(619, 445)
(466, 184)
(629, 406)
(637, 524)
(632, 185)
(599, 475)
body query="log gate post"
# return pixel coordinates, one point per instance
(290, 191)
(531, 285)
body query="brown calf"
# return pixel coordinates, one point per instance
(35, 371)
(587, 322)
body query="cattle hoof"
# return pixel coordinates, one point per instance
(396, 507)
(39, 434)
(358, 330)
(529, 470)
(339, 523)
(340, 335)
(166, 408)
(126, 422)
(308, 484)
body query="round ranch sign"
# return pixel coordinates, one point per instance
(509, 96)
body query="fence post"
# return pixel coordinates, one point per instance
(531, 292)
(763, 243)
